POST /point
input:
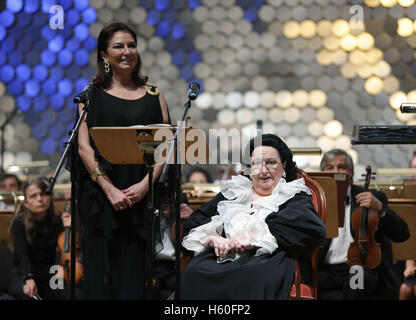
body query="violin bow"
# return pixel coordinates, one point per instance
(37, 297)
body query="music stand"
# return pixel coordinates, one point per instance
(341, 187)
(329, 187)
(406, 209)
(137, 145)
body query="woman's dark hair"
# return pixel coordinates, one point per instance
(283, 150)
(51, 219)
(199, 169)
(103, 79)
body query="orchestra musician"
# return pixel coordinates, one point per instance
(413, 160)
(9, 183)
(34, 233)
(408, 287)
(333, 271)
(198, 175)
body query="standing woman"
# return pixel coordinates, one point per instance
(34, 234)
(113, 202)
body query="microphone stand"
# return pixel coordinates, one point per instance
(3, 126)
(69, 146)
(150, 215)
(177, 179)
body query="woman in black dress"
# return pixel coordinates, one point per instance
(112, 202)
(34, 234)
(244, 239)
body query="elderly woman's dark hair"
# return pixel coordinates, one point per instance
(199, 169)
(26, 216)
(103, 79)
(285, 154)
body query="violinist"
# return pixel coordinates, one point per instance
(34, 232)
(333, 271)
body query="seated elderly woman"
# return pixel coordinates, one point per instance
(245, 239)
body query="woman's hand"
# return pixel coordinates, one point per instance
(136, 192)
(118, 199)
(30, 288)
(221, 245)
(409, 271)
(242, 243)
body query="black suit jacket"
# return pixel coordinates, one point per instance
(391, 227)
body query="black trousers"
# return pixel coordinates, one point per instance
(335, 282)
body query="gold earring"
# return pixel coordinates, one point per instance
(106, 65)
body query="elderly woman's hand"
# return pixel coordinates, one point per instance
(242, 243)
(221, 245)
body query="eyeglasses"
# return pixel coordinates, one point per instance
(257, 165)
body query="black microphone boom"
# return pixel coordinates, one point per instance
(16, 111)
(193, 90)
(83, 96)
(408, 108)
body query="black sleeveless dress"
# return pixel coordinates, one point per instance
(114, 244)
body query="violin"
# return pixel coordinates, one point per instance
(364, 250)
(64, 248)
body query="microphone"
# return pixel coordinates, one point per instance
(83, 96)
(408, 108)
(193, 90)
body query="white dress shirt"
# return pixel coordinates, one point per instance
(338, 250)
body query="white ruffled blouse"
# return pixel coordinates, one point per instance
(239, 214)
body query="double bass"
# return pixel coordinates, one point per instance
(364, 251)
